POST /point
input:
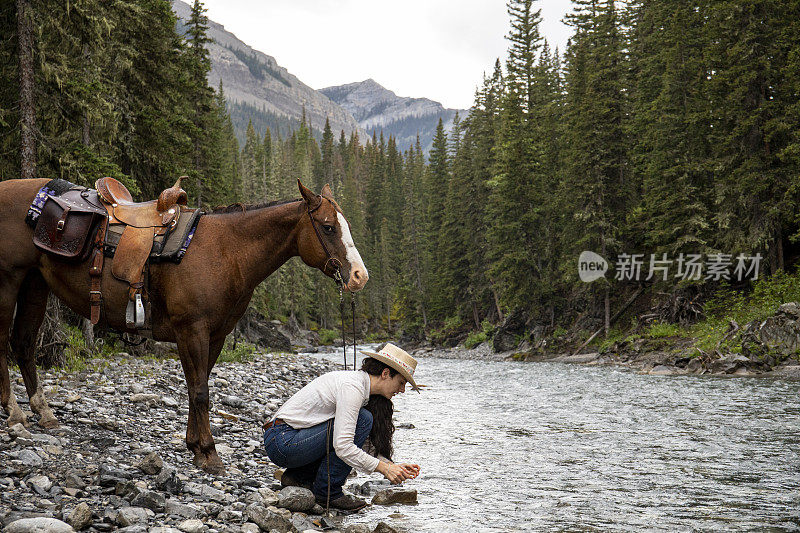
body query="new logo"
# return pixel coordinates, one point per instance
(591, 266)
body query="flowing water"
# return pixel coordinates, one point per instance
(508, 446)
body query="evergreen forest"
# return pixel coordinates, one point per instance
(664, 127)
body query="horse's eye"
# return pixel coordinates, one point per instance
(328, 229)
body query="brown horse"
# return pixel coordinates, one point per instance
(195, 303)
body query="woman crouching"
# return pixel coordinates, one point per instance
(319, 434)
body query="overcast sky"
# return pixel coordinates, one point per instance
(438, 49)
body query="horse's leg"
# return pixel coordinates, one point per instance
(214, 349)
(193, 348)
(31, 307)
(8, 300)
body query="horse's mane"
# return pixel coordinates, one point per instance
(239, 207)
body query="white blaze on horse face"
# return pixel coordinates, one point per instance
(358, 272)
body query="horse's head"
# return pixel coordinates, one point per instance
(324, 240)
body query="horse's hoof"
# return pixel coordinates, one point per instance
(214, 467)
(48, 423)
(199, 461)
(20, 418)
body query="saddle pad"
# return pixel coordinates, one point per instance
(166, 248)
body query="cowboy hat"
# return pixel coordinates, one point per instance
(398, 359)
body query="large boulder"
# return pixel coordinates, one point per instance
(508, 336)
(256, 329)
(769, 342)
(269, 519)
(38, 525)
(296, 499)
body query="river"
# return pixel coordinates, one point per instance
(507, 446)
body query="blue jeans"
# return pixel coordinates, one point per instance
(303, 453)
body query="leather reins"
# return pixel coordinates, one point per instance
(337, 275)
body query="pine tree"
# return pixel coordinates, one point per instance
(436, 179)
(751, 44)
(199, 65)
(671, 126)
(326, 147)
(525, 44)
(595, 190)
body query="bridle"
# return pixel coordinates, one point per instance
(337, 276)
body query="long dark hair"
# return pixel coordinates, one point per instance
(382, 410)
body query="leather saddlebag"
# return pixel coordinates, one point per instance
(66, 227)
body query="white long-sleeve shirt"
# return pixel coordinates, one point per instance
(338, 395)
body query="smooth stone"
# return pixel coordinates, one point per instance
(80, 517)
(395, 495)
(229, 515)
(232, 401)
(44, 438)
(29, 458)
(173, 507)
(383, 527)
(301, 522)
(143, 397)
(268, 496)
(18, 430)
(129, 516)
(151, 464)
(150, 500)
(169, 401)
(43, 483)
(135, 528)
(358, 528)
(267, 519)
(205, 491)
(662, 370)
(168, 480)
(192, 526)
(296, 499)
(75, 481)
(249, 527)
(38, 525)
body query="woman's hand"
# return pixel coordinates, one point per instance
(397, 473)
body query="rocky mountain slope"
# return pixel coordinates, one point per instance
(377, 108)
(261, 87)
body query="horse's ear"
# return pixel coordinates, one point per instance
(327, 192)
(308, 195)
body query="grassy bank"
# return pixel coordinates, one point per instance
(725, 315)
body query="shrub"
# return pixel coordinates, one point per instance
(242, 352)
(376, 336)
(664, 329)
(474, 338)
(327, 336)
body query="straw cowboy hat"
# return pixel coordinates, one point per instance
(398, 359)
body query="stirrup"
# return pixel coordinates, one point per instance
(134, 313)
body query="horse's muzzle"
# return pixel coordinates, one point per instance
(358, 278)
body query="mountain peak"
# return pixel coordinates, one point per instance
(255, 82)
(377, 108)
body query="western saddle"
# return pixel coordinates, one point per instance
(143, 222)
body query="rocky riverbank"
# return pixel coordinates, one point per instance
(768, 348)
(641, 356)
(119, 462)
